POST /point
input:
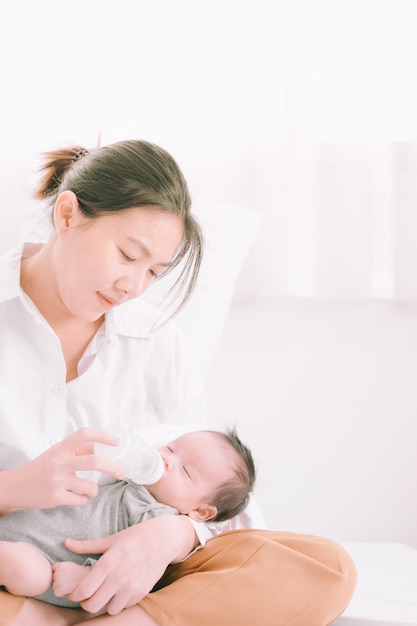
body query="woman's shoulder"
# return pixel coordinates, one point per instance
(10, 272)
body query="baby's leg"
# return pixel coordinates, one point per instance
(23, 570)
(134, 616)
(67, 576)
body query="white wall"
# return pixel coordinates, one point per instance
(325, 393)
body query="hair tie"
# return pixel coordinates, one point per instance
(79, 155)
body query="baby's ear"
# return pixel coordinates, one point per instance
(203, 513)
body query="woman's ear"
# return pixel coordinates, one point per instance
(203, 513)
(66, 210)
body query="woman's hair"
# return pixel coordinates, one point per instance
(232, 496)
(122, 176)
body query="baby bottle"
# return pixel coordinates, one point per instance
(139, 461)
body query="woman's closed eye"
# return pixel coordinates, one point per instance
(126, 257)
(130, 259)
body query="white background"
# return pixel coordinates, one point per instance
(304, 111)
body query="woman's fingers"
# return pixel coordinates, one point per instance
(87, 437)
(99, 588)
(89, 546)
(92, 601)
(79, 447)
(84, 487)
(132, 561)
(95, 463)
(101, 598)
(106, 596)
(92, 592)
(51, 479)
(101, 592)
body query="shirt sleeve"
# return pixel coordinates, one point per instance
(251, 517)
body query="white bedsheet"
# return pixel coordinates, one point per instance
(386, 593)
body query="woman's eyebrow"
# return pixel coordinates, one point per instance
(144, 248)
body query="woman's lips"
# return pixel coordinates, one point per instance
(106, 302)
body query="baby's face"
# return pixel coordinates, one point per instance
(195, 464)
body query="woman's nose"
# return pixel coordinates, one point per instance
(135, 284)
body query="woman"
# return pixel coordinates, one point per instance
(78, 354)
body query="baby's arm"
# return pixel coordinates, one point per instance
(66, 576)
(23, 570)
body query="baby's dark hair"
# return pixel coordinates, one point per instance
(232, 496)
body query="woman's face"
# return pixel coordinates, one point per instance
(101, 263)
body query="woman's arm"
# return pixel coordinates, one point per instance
(133, 616)
(51, 478)
(132, 563)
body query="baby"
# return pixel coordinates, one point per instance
(208, 475)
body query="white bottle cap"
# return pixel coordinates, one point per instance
(140, 462)
(150, 472)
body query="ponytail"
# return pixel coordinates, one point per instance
(56, 165)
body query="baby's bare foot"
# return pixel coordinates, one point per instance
(66, 577)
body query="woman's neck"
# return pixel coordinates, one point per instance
(38, 282)
(36, 279)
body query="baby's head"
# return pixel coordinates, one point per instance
(208, 475)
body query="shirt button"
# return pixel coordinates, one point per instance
(57, 389)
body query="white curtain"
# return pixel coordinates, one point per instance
(339, 182)
(305, 110)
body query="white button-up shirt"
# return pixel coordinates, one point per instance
(128, 374)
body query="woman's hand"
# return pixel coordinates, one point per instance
(51, 478)
(132, 563)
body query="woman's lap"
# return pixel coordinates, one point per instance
(251, 577)
(247, 577)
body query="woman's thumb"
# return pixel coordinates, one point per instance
(88, 546)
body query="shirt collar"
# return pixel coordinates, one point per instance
(10, 273)
(132, 319)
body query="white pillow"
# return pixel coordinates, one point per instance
(16, 187)
(229, 231)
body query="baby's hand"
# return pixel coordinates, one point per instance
(66, 577)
